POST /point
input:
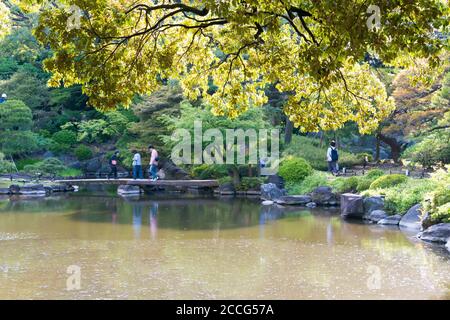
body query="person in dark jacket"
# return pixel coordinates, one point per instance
(332, 158)
(113, 162)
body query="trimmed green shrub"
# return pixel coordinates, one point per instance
(364, 182)
(65, 137)
(49, 166)
(293, 169)
(343, 185)
(83, 153)
(388, 181)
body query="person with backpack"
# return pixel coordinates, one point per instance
(332, 158)
(113, 162)
(137, 166)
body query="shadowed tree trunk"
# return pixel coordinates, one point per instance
(377, 150)
(288, 131)
(395, 146)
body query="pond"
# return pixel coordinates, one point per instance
(195, 247)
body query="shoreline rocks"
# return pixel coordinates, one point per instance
(439, 233)
(270, 191)
(372, 204)
(352, 206)
(294, 200)
(324, 196)
(412, 219)
(127, 190)
(391, 220)
(377, 215)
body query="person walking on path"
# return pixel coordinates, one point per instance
(137, 166)
(113, 162)
(154, 158)
(332, 158)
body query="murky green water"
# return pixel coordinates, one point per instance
(176, 247)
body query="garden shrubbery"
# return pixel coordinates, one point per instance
(310, 150)
(83, 152)
(316, 179)
(294, 169)
(364, 182)
(437, 201)
(209, 171)
(343, 185)
(49, 166)
(388, 181)
(250, 183)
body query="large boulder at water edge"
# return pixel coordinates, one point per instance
(277, 180)
(128, 190)
(373, 203)
(29, 190)
(352, 206)
(294, 200)
(448, 245)
(227, 189)
(412, 218)
(324, 196)
(437, 233)
(391, 220)
(270, 191)
(377, 215)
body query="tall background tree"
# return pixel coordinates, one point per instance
(312, 49)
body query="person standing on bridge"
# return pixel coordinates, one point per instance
(113, 162)
(154, 158)
(137, 166)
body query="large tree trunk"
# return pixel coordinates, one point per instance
(377, 150)
(288, 131)
(396, 147)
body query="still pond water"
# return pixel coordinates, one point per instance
(193, 247)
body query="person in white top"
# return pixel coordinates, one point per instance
(154, 158)
(332, 158)
(137, 166)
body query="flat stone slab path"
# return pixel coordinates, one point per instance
(144, 182)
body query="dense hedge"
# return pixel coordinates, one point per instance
(388, 181)
(294, 169)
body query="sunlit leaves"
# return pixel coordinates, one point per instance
(311, 49)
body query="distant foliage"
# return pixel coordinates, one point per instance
(83, 152)
(5, 165)
(309, 149)
(388, 181)
(47, 167)
(209, 171)
(294, 169)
